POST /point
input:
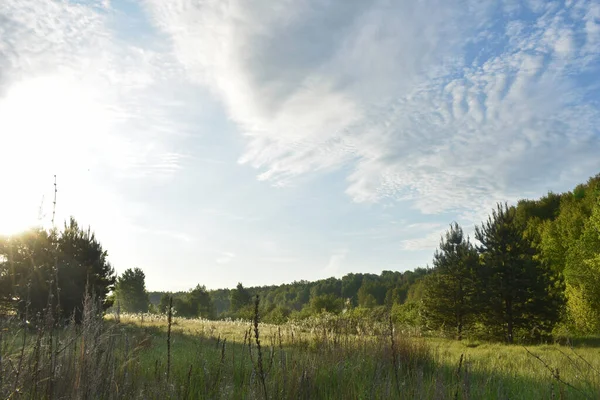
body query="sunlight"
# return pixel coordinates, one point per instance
(46, 118)
(15, 223)
(47, 127)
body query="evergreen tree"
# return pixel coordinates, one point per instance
(201, 302)
(239, 298)
(163, 305)
(83, 265)
(518, 292)
(131, 291)
(26, 271)
(41, 269)
(450, 291)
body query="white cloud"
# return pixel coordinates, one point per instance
(428, 101)
(336, 260)
(428, 242)
(225, 258)
(450, 105)
(420, 226)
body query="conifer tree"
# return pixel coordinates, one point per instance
(131, 291)
(239, 298)
(517, 291)
(450, 291)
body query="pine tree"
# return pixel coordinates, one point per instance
(517, 292)
(201, 303)
(450, 290)
(42, 268)
(239, 297)
(131, 291)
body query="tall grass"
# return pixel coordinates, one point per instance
(173, 358)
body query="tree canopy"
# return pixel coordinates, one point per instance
(130, 291)
(54, 270)
(451, 298)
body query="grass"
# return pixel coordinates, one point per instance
(106, 359)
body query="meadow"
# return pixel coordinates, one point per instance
(147, 357)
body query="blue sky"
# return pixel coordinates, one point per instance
(220, 141)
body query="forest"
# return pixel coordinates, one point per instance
(530, 271)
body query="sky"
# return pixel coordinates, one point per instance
(221, 141)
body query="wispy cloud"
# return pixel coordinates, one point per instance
(444, 103)
(335, 263)
(446, 106)
(225, 258)
(428, 242)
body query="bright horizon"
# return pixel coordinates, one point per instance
(240, 141)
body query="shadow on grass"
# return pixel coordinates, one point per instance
(130, 361)
(213, 368)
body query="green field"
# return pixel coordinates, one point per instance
(220, 359)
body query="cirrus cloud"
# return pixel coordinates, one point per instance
(452, 105)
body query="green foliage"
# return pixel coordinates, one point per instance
(26, 270)
(326, 303)
(130, 291)
(582, 274)
(416, 291)
(512, 286)
(278, 315)
(41, 269)
(163, 305)
(569, 245)
(330, 286)
(82, 264)
(351, 283)
(221, 300)
(319, 359)
(372, 292)
(451, 291)
(239, 298)
(408, 314)
(516, 291)
(195, 303)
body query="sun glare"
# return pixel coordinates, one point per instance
(10, 225)
(46, 128)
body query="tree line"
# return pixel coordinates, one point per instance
(533, 270)
(530, 270)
